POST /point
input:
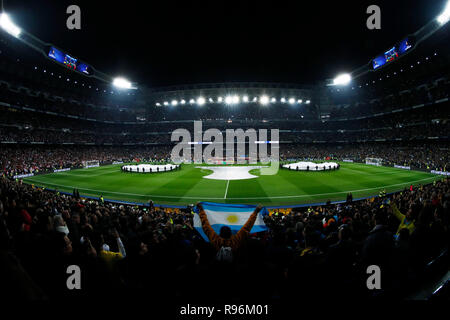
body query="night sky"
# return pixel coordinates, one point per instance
(168, 42)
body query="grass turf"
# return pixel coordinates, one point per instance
(186, 186)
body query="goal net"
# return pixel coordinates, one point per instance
(374, 161)
(91, 163)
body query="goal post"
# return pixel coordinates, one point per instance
(91, 164)
(374, 161)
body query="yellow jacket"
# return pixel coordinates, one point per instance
(404, 223)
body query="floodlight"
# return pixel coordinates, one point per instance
(273, 100)
(264, 100)
(183, 101)
(219, 99)
(229, 100)
(235, 99)
(9, 26)
(283, 100)
(255, 99)
(158, 104)
(291, 100)
(192, 101)
(245, 98)
(166, 103)
(300, 101)
(342, 79)
(174, 102)
(122, 83)
(444, 17)
(308, 101)
(201, 101)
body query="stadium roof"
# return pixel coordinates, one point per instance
(171, 43)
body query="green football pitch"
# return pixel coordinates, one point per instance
(187, 185)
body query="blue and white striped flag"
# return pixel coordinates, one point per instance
(231, 215)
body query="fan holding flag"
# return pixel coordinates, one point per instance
(228, 220)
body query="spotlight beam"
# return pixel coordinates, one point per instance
(9, 26)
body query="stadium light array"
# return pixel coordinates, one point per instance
(9, 26)
(229, 100)
(342, 79)
(122, 83)
(444, 17)
(264, 100)
(201, 101)
(234, 99)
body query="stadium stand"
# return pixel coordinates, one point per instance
(127, 250)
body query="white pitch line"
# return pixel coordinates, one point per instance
(75, 174)
(226, 190)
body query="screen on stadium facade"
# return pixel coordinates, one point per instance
(69, 61)
(405, 45)
(394, 53)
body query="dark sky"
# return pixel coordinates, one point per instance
(170, 42)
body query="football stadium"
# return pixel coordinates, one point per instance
(313, 168)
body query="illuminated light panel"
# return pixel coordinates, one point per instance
(201, 101)
(342, 79)
(9, 26)
(264, 100)
(122, 83)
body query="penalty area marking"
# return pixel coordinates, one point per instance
(244, 198)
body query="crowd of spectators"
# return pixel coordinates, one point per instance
(40, 159)
(19, 159)
(32, 127)
(398, 100)
(126, 251)
(432, 156)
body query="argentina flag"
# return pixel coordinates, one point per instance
(231, 215)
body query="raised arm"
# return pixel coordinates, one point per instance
(247, 226)
(206, 226)
(397, 212)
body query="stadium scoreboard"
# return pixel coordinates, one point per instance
(69, 61)
(393, 53)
